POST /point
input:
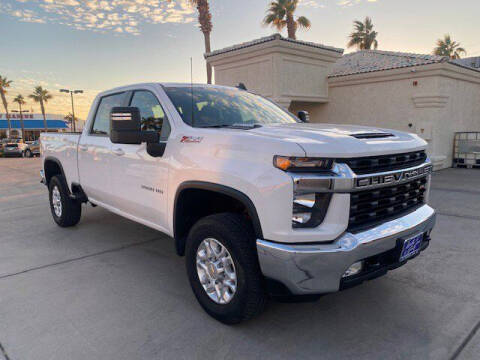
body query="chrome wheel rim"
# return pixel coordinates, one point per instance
(216, 271)
(56, 201)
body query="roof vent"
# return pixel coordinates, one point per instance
(378, 135)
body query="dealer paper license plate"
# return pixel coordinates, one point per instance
(411, 247)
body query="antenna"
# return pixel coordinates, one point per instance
(191, 90)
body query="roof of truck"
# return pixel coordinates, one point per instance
(166, 84)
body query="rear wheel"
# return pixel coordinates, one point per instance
(223, 269)
(65, 210)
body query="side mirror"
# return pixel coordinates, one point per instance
(126, 127)
(303, 116)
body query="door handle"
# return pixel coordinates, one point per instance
(118, 152)
(82, 147)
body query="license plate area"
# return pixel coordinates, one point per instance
(411, 247)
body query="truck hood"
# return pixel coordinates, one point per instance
(332, 140)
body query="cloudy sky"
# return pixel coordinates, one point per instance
(95, 45)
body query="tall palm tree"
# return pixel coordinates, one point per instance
(41, 96)
(280, 14)
(363, 36)
(205, 21)
(70, 119)
(4, 84)
(20, 101)
(448, 47)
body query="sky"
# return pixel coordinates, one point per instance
(95, 45)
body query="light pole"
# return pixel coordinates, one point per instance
(71, 95)
(21, 119)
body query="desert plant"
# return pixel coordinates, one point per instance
(281, 14)
(363, 36)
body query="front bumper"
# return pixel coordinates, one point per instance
(318, 268)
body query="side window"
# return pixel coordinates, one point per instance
(101, 124)
(153, 116)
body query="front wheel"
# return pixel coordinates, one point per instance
(223, 269)
(66, 211)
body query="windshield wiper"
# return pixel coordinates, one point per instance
(234, 126)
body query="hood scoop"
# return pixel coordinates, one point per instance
(372, 135)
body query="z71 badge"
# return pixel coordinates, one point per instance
(191, 139)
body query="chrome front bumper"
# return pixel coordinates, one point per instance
(318, 268)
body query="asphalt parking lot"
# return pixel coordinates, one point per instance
(112, 289)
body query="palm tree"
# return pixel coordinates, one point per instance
(280, 14)
(20, 101)
(363, 36)
(70, 119)
(41, 96)
(4, 84)
(205, 21)
(447, 47)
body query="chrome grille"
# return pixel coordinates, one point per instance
(375, 164)
(370, 207)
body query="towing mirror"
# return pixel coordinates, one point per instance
(303, 116)
(126, 127)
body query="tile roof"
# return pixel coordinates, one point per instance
(271, 38)
(366, 61)
(470, 62)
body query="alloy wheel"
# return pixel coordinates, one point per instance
(216, 271)
(57, 201)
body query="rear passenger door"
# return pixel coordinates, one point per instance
(140, 180)
(95, 153)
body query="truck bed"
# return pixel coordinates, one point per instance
(64, 148)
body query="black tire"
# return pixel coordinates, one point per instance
(28, 153)
(236, 234)
(70, 210)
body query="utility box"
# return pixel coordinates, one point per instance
(466, 151)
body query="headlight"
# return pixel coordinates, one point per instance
(299, 164)
(309, 210)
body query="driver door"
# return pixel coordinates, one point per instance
(139, 179)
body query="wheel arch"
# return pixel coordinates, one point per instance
(52, 166)
(182, 226)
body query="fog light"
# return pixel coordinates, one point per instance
(354, 269)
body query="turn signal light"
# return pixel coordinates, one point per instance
(290, 163)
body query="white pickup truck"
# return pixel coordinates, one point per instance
(260, 202)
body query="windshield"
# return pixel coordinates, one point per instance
(225, 107)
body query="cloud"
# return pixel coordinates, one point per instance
(347, 3)
(321, 3)
(312, 3)
(21, 14)
(117, 16)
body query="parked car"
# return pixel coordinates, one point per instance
(15, 147)
(33, 149)
(258, 201)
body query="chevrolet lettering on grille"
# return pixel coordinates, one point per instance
(397, 177)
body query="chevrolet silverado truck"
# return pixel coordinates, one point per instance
(260, 202)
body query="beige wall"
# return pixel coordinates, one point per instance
(281, 70)
(437, 107)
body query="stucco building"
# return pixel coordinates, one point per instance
(432, 96)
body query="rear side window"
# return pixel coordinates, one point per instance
(151, 112)
(101, 124)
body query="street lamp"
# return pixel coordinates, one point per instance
(21, 112)
(71, 94)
